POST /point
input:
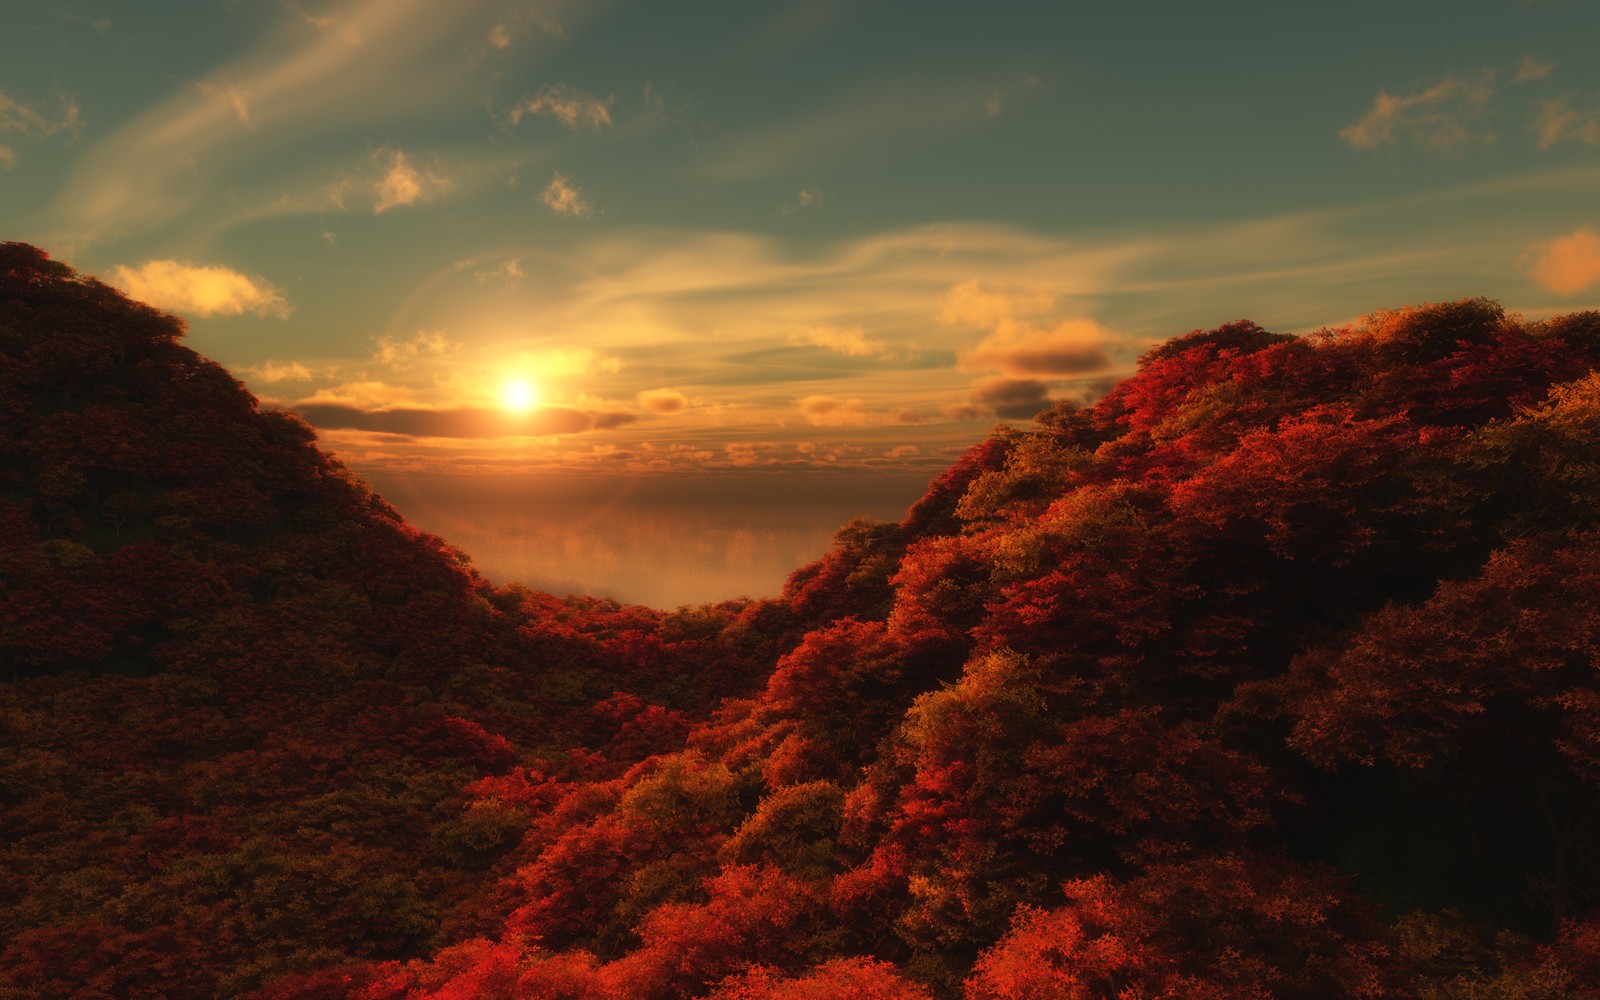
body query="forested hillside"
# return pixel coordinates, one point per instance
(1271, 674)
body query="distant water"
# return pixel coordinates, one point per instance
(660, 542)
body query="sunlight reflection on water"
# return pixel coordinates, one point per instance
(652, 542)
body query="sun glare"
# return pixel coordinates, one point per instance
(518, 395)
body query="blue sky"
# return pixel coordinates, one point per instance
(484, 237)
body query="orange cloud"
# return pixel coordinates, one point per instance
(1019, 347)
(1569, 264)
(273, 371)
(1530, 69)
(564, 199)
(1558, 121)
(233, 96)
(28, 122)
(198, 290)
(849, 341)
(1444, 117)
(970, 302)
(827, 411)
(400, 355)
(402, 184)
(16, 116)
(567, 105)
(663, 401)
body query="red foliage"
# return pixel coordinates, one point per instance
(1214, 929)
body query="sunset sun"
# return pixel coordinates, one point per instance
(518, 395)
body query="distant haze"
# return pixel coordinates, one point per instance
(663, 542)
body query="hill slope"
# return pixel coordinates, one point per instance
(1272, 674)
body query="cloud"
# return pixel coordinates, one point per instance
(400, 355)
(567, 362)
(1530, 69)
(463, 422)
(663, 401)
(971, 302)
(518, 25)
(402, 184)
(847, 340)
(25, 119)
(1445, 117)
(1072, 347)
(809, 196)
(564, 199)
(1558, 121)
(568, 105)
(31, 124)
(233, 96)
(1569, 264)
(826, 411)
(367, 394)
(273, 371)
(991, 106)
(1019, 347)
(1016, 399)
(905, 415)
(378, 61)
(509, 274)
(199, 290)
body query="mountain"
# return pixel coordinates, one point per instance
(1271, 674)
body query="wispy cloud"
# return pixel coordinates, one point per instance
(1531, 68)
(368, 63)
(28, 122)
(232, 95)
(1445, 117)
(570, 106)
(564, 199)
(1557, 121)
(851, 341)
(508, 274)
(519, 25)
(809, 196)
(199, 290)
(1568, 264)
(403, 184)
(401, 355)
(274, 371)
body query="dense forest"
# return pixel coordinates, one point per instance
(1273, 674)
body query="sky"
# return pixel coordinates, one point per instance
(641, 239)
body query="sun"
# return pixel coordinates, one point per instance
(518, 395)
